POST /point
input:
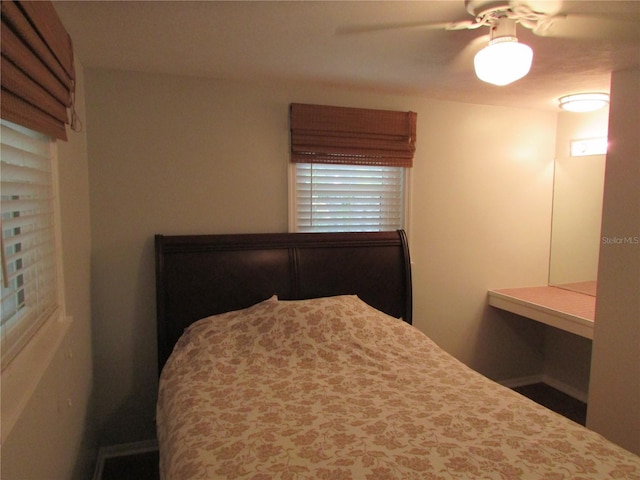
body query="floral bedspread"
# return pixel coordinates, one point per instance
(333, 389)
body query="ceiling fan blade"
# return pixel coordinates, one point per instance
(463, 25)
(358, 29)
(588, 27)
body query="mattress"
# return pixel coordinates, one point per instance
(331, 388)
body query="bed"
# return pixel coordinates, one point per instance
(292, 356)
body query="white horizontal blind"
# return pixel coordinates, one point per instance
(29, 270)
(348, 198)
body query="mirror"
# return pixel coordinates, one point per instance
(578, 188)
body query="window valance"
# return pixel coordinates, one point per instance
(38, 76)
(355, 136)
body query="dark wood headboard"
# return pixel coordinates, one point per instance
(202, 275)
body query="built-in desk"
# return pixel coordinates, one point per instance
(561, 308)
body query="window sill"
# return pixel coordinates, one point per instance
(21, 378)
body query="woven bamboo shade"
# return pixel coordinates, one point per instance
(355, 136)
(37, 67)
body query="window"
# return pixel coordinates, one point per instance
(356, 198)
(30, 271)
(38, 84)
(350, 168)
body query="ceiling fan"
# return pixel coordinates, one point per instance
(505, 60)
(536, 16)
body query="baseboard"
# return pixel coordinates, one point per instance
(522, 381)
(567, 389)
(552, 382)
(120, 450)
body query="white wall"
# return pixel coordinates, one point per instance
(480, 220)
(54, 438)
(614, 396)
(178, 155)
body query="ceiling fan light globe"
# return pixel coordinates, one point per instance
(503, 61)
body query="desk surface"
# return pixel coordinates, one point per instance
(565, 309)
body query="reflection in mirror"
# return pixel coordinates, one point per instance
(575, 230)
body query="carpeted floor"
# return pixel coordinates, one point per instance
(141, 466)
(555, 400)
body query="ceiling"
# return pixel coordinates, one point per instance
(364, 44)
